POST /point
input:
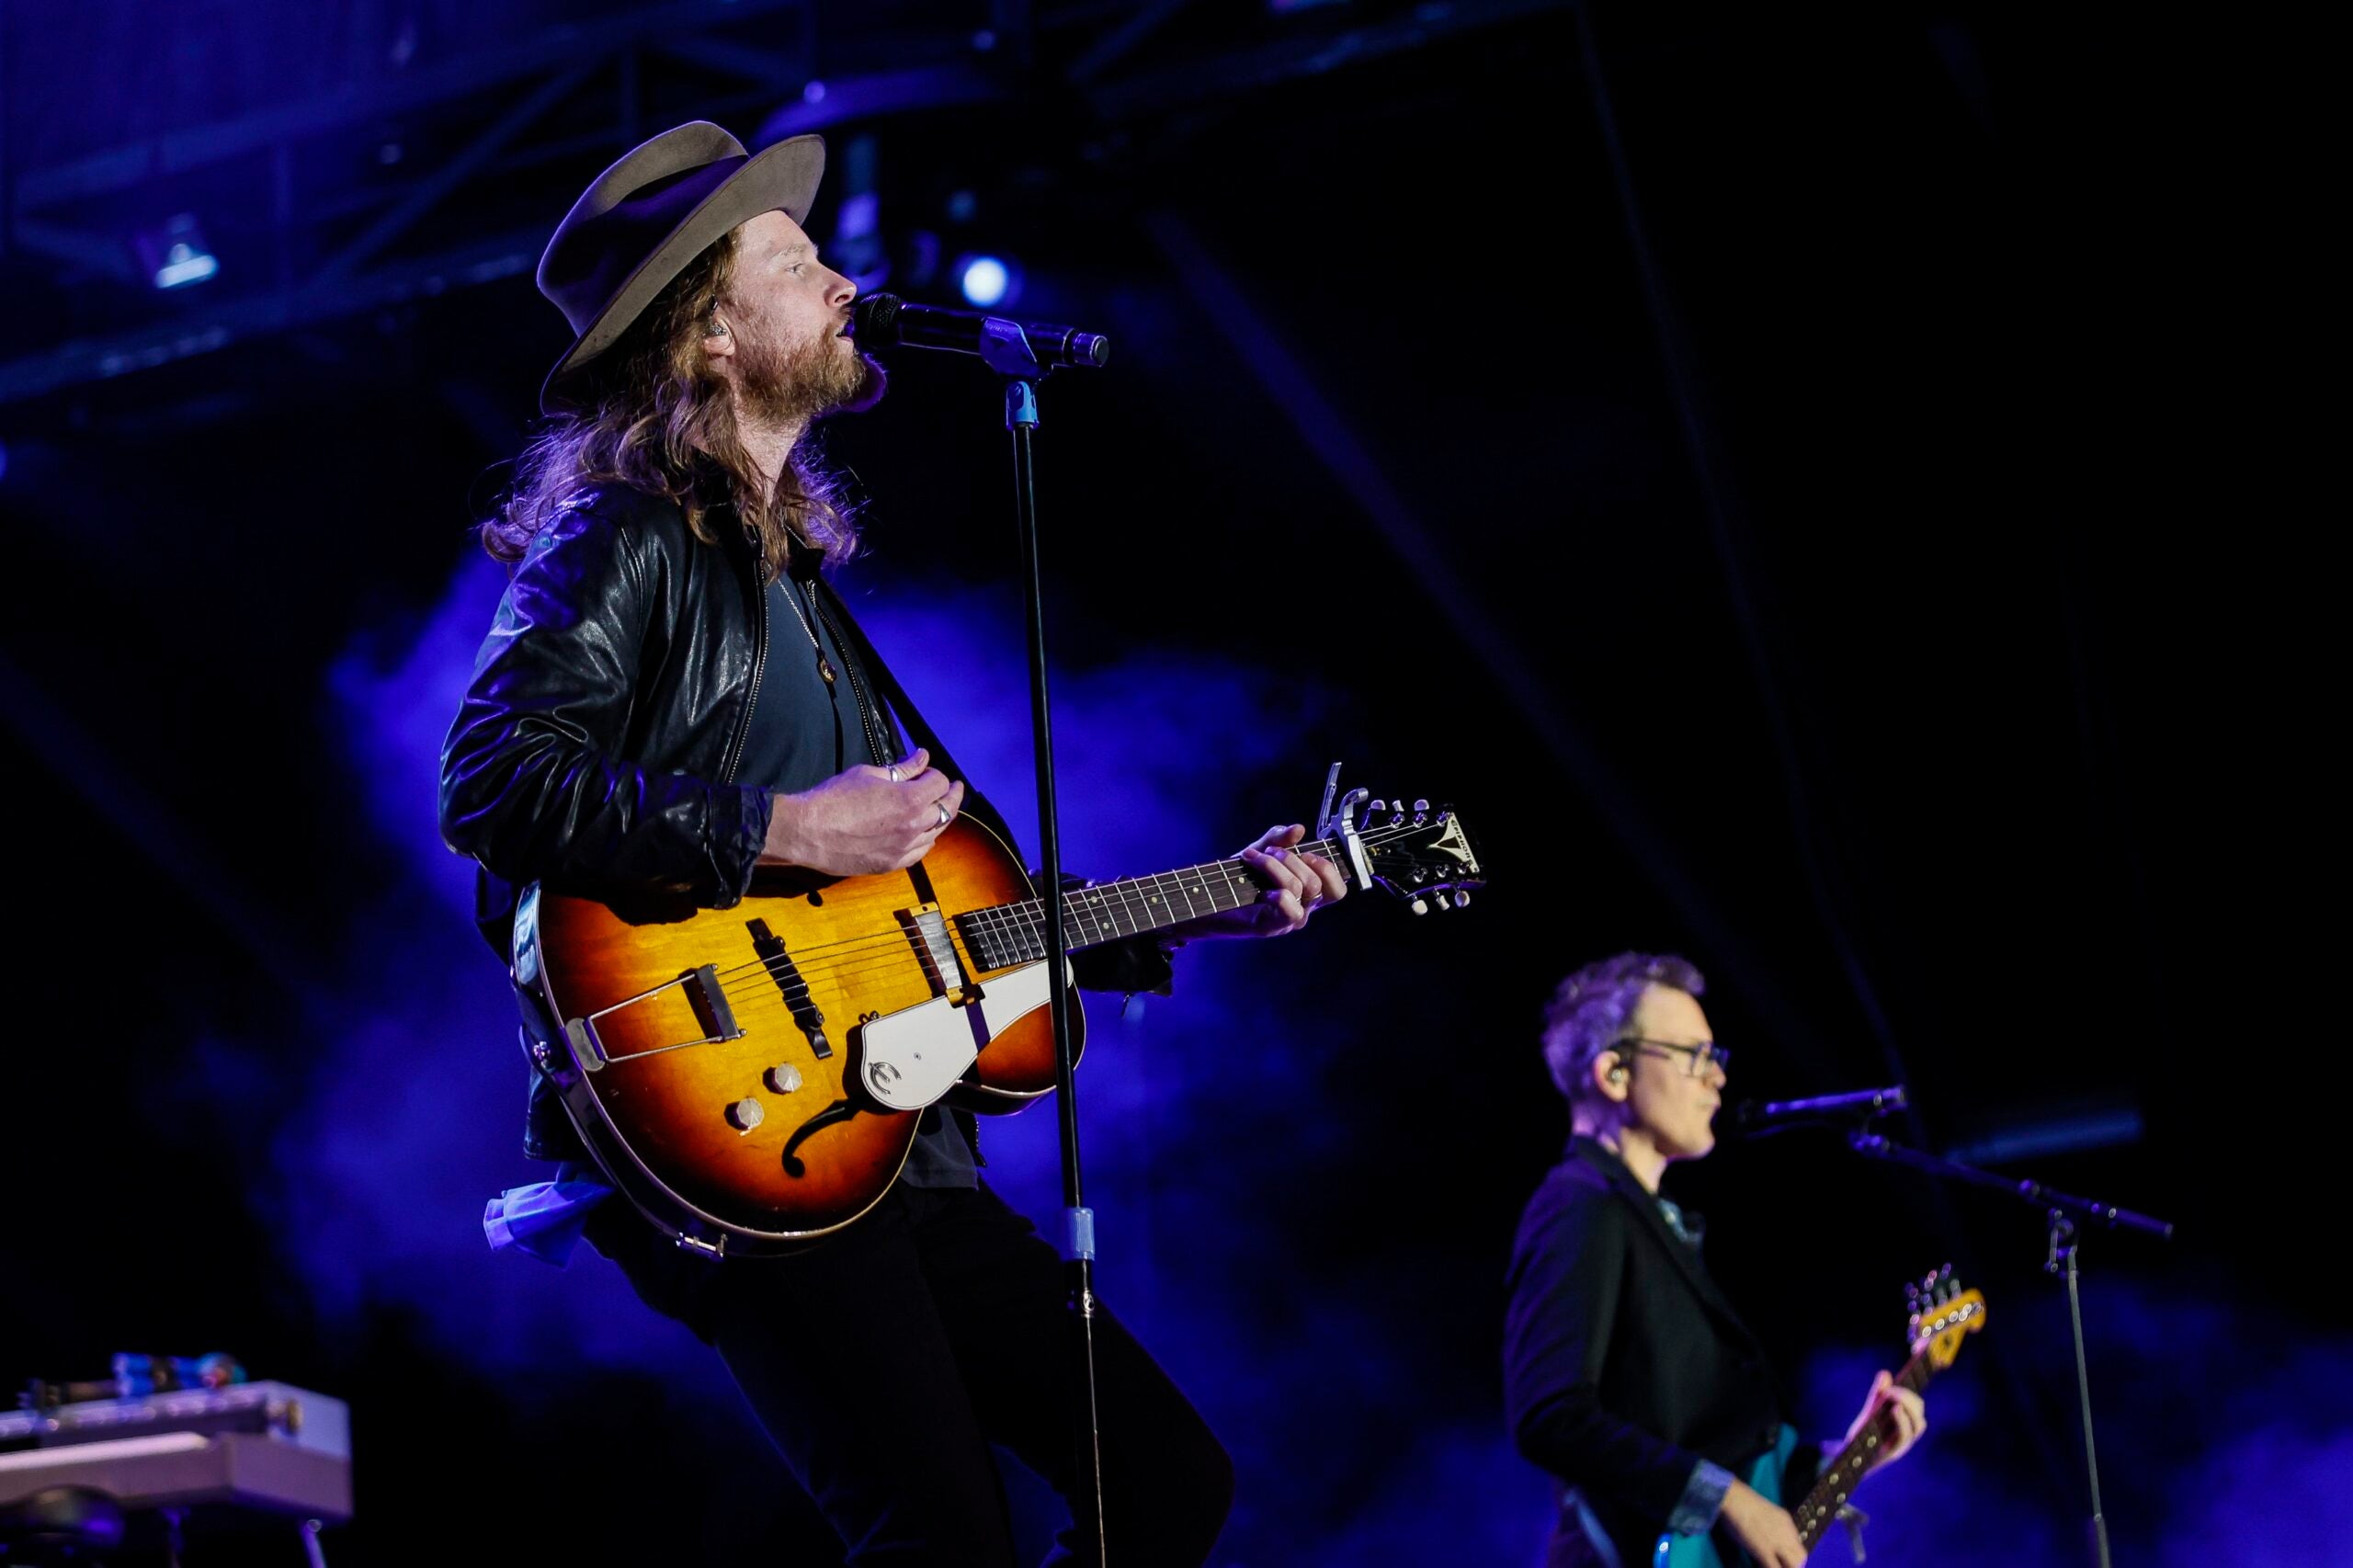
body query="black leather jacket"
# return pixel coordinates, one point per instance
(606, 710)
(597, 745)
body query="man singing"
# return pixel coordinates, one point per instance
(1626, 1373)
(671, 696)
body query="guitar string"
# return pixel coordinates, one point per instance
(762, 1006)
(1015, 925)
(893, 949)
(1011, 924)
(1024, 918)
(1015, 942)
(1016, 922)
(1008, 925)
(761, 1009)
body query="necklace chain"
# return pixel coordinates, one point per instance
(824, 666)
(869, 716)
(784, 581)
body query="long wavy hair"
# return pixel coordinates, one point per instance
(651, 409)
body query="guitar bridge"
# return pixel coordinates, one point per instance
(806, 1014)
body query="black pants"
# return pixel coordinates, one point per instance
(884, 1362)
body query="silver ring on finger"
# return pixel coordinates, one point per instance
(943, 811)
(896, 777)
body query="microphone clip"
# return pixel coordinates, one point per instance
(1005, 349)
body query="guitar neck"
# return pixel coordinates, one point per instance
(1008, 934)
(1840, 1475)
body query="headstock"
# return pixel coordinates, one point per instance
(1428, 859)
(1943, 1314)
(1421, 855)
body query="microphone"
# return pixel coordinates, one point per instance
(883, 321)
(1862, 1105)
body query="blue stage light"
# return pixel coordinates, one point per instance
(184, 265)
(987, 282)
(175, 254)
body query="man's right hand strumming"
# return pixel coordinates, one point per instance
(865, 820)
(1764, 1527)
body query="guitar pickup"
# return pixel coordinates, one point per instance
(928, 929)
(787, 976)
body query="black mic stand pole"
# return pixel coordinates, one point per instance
(1008, 352)
(2061, 1210)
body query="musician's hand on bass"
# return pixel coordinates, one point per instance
(863, 820)
(1764, 1527)
(1902, 1412)
(1297, 885)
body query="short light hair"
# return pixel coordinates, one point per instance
(1592, 1009)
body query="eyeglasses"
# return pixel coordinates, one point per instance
(1696, 1057)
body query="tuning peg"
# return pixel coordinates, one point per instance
(1378, 806)
(1421, 805)
(1419, 906)
(1461, 900)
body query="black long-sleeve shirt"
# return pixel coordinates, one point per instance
(1624, 1366)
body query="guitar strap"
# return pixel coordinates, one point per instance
(910, 719)
(976, 804)
(904, 710)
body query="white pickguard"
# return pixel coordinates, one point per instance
(914, 1056)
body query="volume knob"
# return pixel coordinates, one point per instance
(783, 1078)
(745, 1114)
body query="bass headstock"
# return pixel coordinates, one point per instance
(1942, 1315)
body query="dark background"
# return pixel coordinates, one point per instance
(1789, 478)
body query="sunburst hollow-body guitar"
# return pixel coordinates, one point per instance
(753, 1077)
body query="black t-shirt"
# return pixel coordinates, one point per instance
(806, 729)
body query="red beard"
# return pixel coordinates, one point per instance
(796, 385)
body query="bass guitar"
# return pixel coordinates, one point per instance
(1943, 1315)
(753, 1077)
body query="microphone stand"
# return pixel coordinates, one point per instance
(1005, 349)
(2062, 1212)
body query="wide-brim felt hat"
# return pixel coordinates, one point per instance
(663, 203)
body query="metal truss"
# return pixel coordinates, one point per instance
(587, 89)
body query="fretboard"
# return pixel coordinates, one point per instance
(1841, 1475)
(1008, 934)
